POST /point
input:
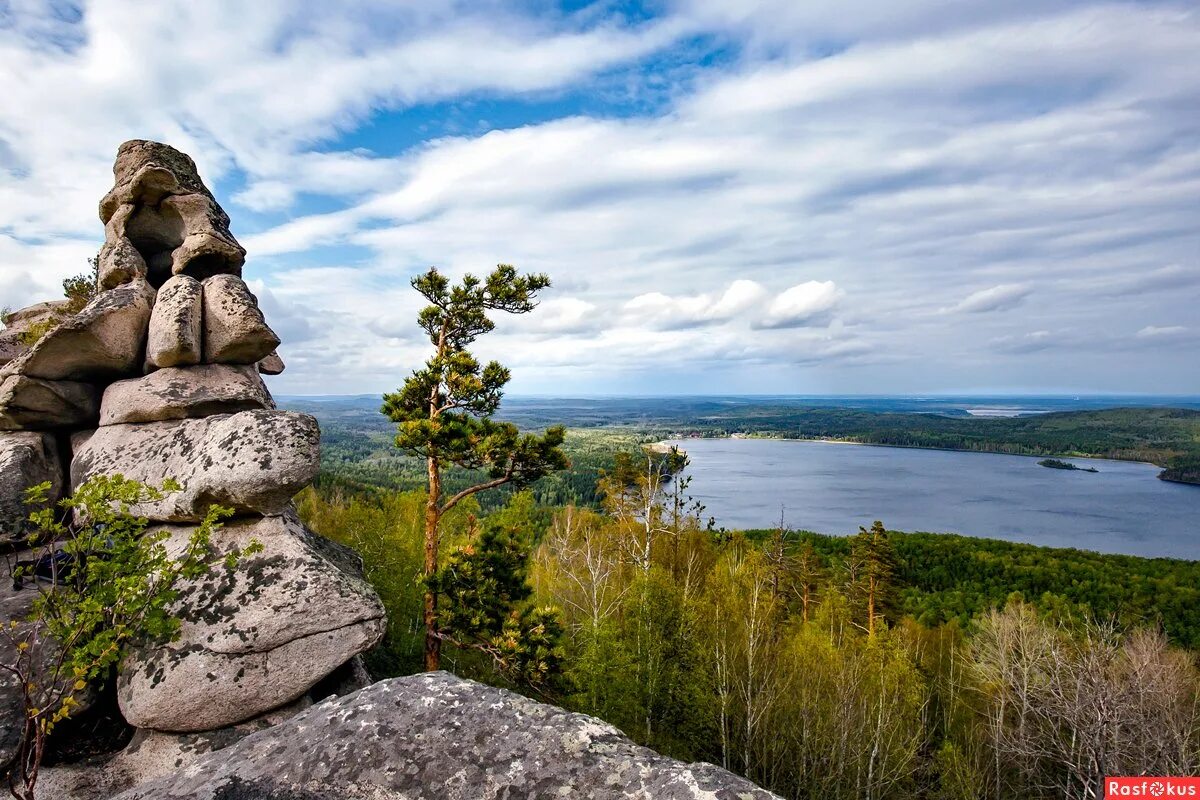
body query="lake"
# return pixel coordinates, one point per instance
(834, 488)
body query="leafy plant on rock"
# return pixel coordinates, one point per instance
(103, 583)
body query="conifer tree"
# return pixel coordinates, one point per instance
(444, 410)
(874, 561)
(488, 608)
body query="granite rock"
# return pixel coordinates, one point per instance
(254, 638)
(160, 211)
(183, 393)
(234, 329)
(176, 325)
(253, 461)
(438, 737)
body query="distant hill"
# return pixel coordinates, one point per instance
(1152, 432)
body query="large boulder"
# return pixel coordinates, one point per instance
(36, 404)
(26, 460)
(256, 637)
(234, 329)
(184, 392)
(103, 341)
(436, 736)
(176, 325)
(253, 461)
(161, 220)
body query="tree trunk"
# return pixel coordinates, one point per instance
(433, 644)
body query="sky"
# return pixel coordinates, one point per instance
(767, 196)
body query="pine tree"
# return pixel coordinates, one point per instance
(444, 410)
(488, 608)
(874, 571)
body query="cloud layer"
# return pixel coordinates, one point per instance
(784, 197)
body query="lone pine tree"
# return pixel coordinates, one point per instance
(444, 410)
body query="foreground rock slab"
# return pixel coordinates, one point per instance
(436, 736)
(183, 393)
(26, 460)
(256, 638)
(253, 461)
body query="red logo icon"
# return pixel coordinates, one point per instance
(1148, 786)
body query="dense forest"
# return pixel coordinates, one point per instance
(881, 665)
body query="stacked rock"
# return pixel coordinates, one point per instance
(157, 378)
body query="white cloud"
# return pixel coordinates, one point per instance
(1165, 331)
(662, 311)
(996, 298)
(917, 158)
(802, 304)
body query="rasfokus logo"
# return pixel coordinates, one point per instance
(1144, 786)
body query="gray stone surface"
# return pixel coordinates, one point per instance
(272, 364)
(439, 737)
(18, 322)
(35, 404)
(255, 638)
(103, 341)
(185, 392)
(119, 261)
(234, 329)
(26, 460)
(160, 211)
(176, 325)
(11, 346)
(253, 461)
(22, 318)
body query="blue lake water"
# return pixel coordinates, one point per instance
(834, 488)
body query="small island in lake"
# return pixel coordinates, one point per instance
(1054, 463)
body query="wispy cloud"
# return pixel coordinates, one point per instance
(994, 298)
(781, 194)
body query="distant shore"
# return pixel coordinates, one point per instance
(667, 443)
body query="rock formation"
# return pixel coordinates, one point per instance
(435, 736)
(160, 220)
(158, 377)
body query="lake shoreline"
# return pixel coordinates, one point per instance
(758, 437)
(836, 489)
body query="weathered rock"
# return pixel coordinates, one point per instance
(161, 208)
(12, 346)
(23, 318)
(13, 342)
(272, 364)
(26, 460)
(102, 341)
(36, 404)
(176, 324)
(253, 461)
(149, 755)
(234, 329)
(435, 736)
(183, 393)
(119, 261)
(255, 638)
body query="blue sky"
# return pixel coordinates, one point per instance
(777, 197)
